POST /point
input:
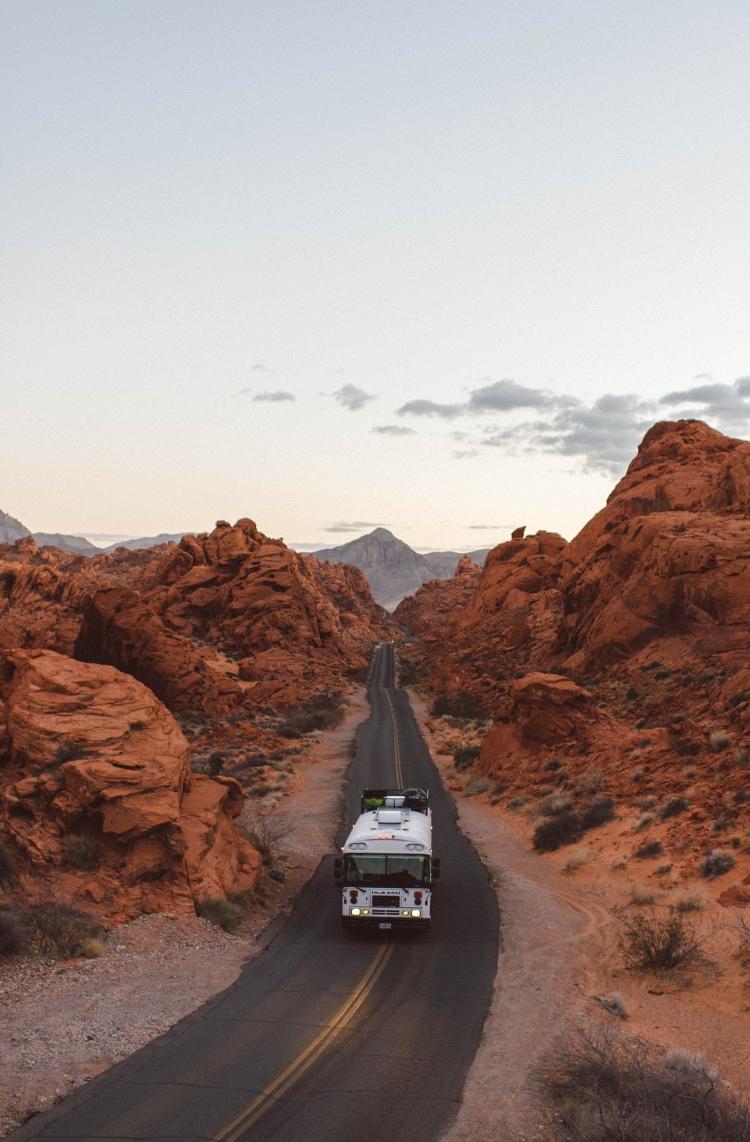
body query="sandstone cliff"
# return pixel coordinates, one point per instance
(98, 801)
(623, 652)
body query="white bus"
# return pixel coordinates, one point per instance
(387, 868)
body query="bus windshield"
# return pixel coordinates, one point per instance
(386, 869)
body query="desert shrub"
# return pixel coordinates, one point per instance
(564, 828)
(277, 873)
(640, 895)
(477, 785)
(648, 849)
(62, 932)
(80, 852)
(13, 931)
(716, 862)
(577, 859)
(499, 788)
(592, 780)
(658, 943)
(516, 803)
(673, 807)
(410, 673)
(646, 803)
(215, 763)
(719, 740)
(460, 705)
(464, 756)
(743, 758)
(221, 912)
(321, 713)
(741, 797)
(599, 812)
(663, 870)
(603, 1086)
(614, 1004)
(643, 822)
(267, 835)
(69, 751)
(553, 804)
(7, 866)
(552, 765)
(689, 902)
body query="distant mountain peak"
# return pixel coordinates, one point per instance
(393, 568)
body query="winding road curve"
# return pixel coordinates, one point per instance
(327, 1036)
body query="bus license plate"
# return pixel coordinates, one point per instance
(383, 924)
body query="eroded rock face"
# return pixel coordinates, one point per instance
(647, 611)
(93, 754)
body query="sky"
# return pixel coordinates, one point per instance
(433, 266)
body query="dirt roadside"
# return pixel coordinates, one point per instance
(560, 934)
(64, 1023)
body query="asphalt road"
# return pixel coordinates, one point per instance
(327, 1036)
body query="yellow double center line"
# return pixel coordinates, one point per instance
(296, 1069)
(396, 744)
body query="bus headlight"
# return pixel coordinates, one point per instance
(355, 911)
(416, 913)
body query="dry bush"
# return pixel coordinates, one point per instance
(465, 755)
(7, 867)
(715, 863)
(221, 912)
(577, 859)
(648, 849)
(719, 740)
(599, 812)
(553, 804)
(603, 1086)
(476, 785)
(689, 902)
(640, 894)
(61, 932)
(614, 1004)
(643, 822)
(13, 931)
(673, 807)
(592, 780)
(563, 829)
(658, 943)
(322, 712)
(69, 751)
(267, 835)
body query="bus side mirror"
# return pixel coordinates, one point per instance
(337, 876)
(436, 868)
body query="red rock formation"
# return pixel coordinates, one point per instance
(120, 629)
(94, 755)
(647, 610)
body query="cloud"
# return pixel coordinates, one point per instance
(352, 397)
(275, 396)
(393, 430)
(505, 396)
(498, 396)
(259, 367)
(490, 526)
(727, 404)
(466, 454)
(430, 408)
(351, 525)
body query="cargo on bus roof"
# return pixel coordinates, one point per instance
(411, 798)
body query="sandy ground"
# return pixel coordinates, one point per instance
(560, 950)
(64, 1023)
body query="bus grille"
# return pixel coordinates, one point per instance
(382, 900)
